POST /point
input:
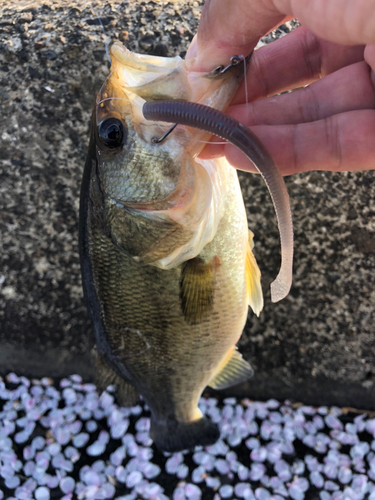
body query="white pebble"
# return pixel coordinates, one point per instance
(259, 454)
(345, 475)
(198, 474)
(182, 471)
(316, 479)
(136, 410)
(96, 449)
(222, 466)
(324, 495)
(252, 443)
(119, 429)
(262, 494)
(212, 482)
(226, 491)
(151, 470)
(192, 491)
(227, 412)
(359, 483)
(359, 450)
(80, 440)
(257, 471)
(91, 478)
(53, 449)
(134, 478)
(67, 484)
(179, 493)
(109, 490)
(143, 424)
(38, 443)
(41, 493)
(333, 422)
(234, 439)
(243, 472)
(12, 482)
(331, 486)
(241, 489)
(121, 474)
(295, 492)
(118, 456)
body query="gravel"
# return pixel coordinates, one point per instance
(283, 450)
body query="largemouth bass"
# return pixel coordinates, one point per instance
(167, 263)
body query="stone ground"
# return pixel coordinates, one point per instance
(317, 345)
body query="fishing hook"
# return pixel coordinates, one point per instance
(156, 140)
(234, 61)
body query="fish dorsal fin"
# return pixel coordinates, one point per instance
(197, 289)
(254, 288)
(233, 370)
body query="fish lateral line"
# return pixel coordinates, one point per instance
(224, 126)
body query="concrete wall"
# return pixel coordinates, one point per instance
(317, 345)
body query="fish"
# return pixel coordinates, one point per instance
(167, 261)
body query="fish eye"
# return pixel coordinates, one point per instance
(112, 133)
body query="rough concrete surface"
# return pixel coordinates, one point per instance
(317, 345)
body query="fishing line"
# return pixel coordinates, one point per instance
(113, 98)
(109, 99)
(106, 44)
(246, 91)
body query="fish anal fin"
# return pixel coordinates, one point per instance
(234, 370)
(253, 285)
(127, 395)
(197, 288)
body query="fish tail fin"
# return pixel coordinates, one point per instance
(174, 436)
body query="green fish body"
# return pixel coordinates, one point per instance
(167, 267)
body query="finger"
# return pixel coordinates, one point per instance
(369, 56)
(338, 143)
(292, 61)
(230, 28)
(348, 89)
(227, 28)
(351, 22)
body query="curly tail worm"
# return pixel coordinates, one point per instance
(214, 121)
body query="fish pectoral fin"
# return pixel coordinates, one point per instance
(253, 285)
(197, 286)
(127, 395)
(234, 371)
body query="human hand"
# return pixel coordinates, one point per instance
(328, 125)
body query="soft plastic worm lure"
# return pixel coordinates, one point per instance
(226, 127)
